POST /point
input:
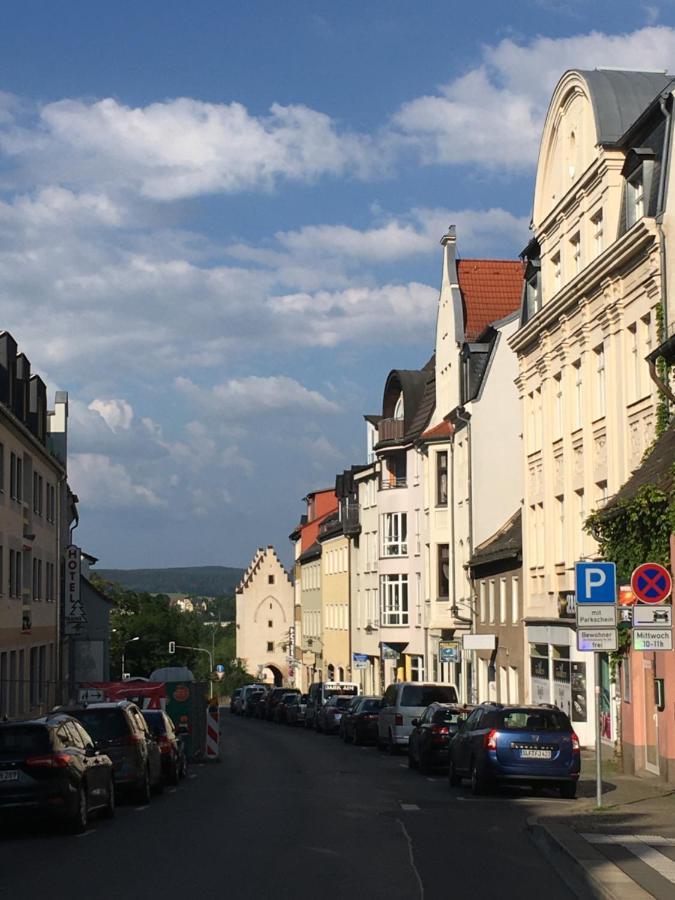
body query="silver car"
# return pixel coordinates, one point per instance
(404, 702)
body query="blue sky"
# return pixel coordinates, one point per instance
(219, 229)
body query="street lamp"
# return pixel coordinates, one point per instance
(124, 647)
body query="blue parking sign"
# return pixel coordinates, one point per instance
(595, 582)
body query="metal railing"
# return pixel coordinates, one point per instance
(398, 482)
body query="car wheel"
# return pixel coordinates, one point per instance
(477, 780)
(80, 819)
(568, 790)
(143, 790)
(453, 778)
(108, 810)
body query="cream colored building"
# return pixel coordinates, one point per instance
(365, 587)
(265, 619)
(33, 533)
(335, 599)
(593, 286)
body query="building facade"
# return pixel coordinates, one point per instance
(335, 585)
(589, 318)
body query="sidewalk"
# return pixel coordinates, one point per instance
(623, 851)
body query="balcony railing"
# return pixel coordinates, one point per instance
(390, 429)
(388, 483)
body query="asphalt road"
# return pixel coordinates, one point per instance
(292, 814)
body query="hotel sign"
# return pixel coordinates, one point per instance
(75, 617)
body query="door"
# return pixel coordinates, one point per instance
(651, 719)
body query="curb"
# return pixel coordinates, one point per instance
(583, 868)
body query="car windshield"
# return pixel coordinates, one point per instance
(23, 739)
(102, 724)
(155, 720)
(289, 698)
(426, 694)
(446, 716)
(340, 702)
(532, 720)
(369, 705)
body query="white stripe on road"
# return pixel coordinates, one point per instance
(140, 808)
(411, 856)
(409, 807)
(641, 848)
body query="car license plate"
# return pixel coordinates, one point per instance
(9, 776)
(535, 754)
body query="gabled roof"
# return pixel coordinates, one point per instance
(506, 543)
(619, 97)
(491, 289)
(254, 567)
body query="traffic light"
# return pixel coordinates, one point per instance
(172, 646)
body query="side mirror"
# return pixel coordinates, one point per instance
(415, 722)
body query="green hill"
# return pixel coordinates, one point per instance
(204, 581)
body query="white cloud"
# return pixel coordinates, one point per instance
(492, 115)
(117, 414)
(253, 395)
(102, 483)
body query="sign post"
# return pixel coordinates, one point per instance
(596, 633)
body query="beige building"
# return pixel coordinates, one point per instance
(34, 519)
(594, 282)
(335, 599)
(266, 619)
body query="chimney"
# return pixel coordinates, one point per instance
(7, 368)
(57, 427)
(21, 389)
(37, 408)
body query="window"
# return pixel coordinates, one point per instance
(482, 599)
(491, 600)
(418, 598)
(559, 406)
(560, 545)
(579, 527)
(442, 478)
(533, 294)
(515, 600)
(270, 624)
(513, 684)
(270, 579)
(601, 494)
(635, 198)
(556, 266)
(37, 493)
(2, 569)
(15, 579)
(49, 582)
(598, 233)
(395, 534)
(600, 391)
(270, 646)
(578, 394)
(417, 668)
(575, 247)
(443, 571)
(2, 468)
(394, 599)
(51, 503)
(502, 600)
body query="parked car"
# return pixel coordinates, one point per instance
(282, 707)
(534, 745)
(247, 693)
(273, 698)
(359, 722)
(174, 762)
(50, 766)
(321, 691)
(236, 694)
(255, 703)
(404, 702)
(120, 730)
(329, 715)
(295, 714)
(431, 735)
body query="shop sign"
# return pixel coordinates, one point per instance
(448, 651)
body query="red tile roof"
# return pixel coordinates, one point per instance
(491, 289)
(442, 430)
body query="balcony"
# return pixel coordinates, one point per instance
(390, 430)
(351, 519)
(387, 484)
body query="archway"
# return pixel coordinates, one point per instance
(271, 674)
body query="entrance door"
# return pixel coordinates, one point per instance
(651, 720)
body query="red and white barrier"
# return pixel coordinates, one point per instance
(212, 733)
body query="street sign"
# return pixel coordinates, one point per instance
(220, 668)
(651, 583)
(597, 640)
(653, 616)
(479, 641)
(595, 582)
(448, 651)
(596, 616)
(360, 660)
(652, 639)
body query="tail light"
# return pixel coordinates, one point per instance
(50, 761)
(164, 743)
(398, 719)
(575, 743)
(491, 739)
(370, 716)
(129, 739)
(438, 732)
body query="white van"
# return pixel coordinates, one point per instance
(404, 702)
(321, 691)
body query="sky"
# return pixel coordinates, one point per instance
(220, 225)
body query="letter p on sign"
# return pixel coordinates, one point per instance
(595, 582)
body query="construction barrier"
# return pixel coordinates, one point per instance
(212, 733)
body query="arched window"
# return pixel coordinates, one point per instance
(399, 408)
(341, 673)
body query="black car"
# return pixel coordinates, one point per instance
(120, 730)
(328, 716)
(431, 735)
(255, 704)
(272, 698)
(282, 707)
(359, 722)
(51, 766)
(174, 763)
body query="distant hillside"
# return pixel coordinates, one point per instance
(205, 581)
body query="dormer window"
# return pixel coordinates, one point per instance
(635, 193)
(399, 408)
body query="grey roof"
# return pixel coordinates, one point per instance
(506, 543)
(619, 97)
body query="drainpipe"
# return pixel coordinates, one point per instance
(663, 185)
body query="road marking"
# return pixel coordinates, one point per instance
(140, 808)
(172, 790)
(411, 857)
(404, 765)
(192, 776)
(85, 833)
(432, 779)
(409, 807)
(637, 844)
